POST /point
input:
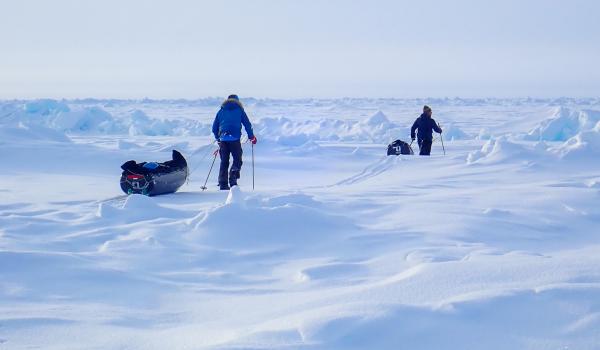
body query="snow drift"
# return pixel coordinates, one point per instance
(584, 145)
(452, 132)
(376, 128)
(500, 253)
(564, 124)
(30, 133)
(289, 223)
(502, 149)
(96, 120)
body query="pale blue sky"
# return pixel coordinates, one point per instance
(189, 49)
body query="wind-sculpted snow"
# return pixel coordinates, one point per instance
(135, 208)
(584, 145)
(564, 124)
(20, 132)
(381, 166)
(504, 150)
(493, 244)
(95, 120)
(286, 225)
(408, 325)
(45, 107)
(452, 132)
(375, 128)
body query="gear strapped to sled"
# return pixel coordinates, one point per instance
(399, 147)
(153, 178)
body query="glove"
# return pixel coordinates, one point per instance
(253, 140)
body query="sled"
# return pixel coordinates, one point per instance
(152, 178)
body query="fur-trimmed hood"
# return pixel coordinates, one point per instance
(232, 103)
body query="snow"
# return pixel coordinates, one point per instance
(297, 132)
(45, 106)
(584, 145)
(494, 245)
(504, 150)
(453, 132)
(30, 133)
(564, 124)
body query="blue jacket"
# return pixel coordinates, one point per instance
(426, 125)
(229, 120)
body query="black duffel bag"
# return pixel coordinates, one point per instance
(399, 147)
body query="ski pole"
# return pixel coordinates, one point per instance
(252, 167)
(442, 139)
(189, 173)
(444, 148)
(210, 170)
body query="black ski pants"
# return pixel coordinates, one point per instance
(233, 148)
(425, 147)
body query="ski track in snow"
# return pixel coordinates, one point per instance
(494, 245)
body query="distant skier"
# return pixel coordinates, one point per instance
(426, 125)
(227, 129)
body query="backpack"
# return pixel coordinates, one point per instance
(399, 147)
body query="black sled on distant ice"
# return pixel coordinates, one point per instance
(152, 178)
(399, 147)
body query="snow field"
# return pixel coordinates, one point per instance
(494, 245)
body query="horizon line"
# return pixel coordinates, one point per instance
(200, 98)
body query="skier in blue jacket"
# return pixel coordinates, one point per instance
(227, 129)
(425, 126)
